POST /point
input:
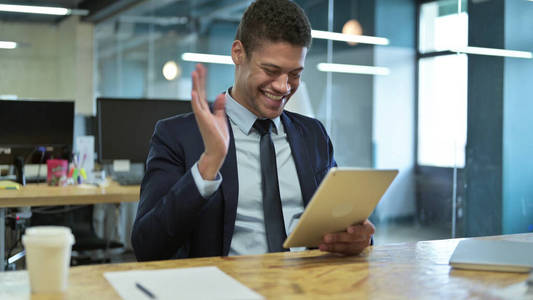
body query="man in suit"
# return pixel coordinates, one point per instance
(235, 179)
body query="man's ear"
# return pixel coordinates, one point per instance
(238, 55)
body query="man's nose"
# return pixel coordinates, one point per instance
(281, 84)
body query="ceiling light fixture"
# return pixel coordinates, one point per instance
(493, 52)
(353, 69)
(7, 45)
(207, 58)
(351, 38)
(352, 27)
(46, 10)
(171, 70)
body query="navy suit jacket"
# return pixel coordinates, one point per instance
(174, 221)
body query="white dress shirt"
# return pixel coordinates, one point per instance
(249, 236)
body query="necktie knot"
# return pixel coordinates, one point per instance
(263, 126)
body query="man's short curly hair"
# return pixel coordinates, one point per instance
(274, 21)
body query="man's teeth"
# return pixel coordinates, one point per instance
(273, 97)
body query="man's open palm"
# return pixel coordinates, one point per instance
(213, 125)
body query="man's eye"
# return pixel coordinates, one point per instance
(270, 72)
(295, 75)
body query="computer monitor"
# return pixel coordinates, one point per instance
(125, 126)
(29, 127)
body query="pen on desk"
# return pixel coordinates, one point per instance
(144, 290)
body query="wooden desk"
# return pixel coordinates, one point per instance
(395, 271)
(44, 195)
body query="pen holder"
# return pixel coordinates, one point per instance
(77, 175)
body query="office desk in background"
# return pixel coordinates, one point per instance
(394, 271)
(44, 195)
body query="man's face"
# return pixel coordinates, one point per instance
(266, 80)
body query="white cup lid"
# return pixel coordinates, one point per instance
(49, 236)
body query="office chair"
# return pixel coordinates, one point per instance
(88, 247)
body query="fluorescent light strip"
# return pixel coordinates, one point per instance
(493, 52)
(47, 10)
(353, 69)
(7, 45)
(363, 39)
(207, 58)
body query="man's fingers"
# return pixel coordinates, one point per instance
(201, 114)
(201, 71)
(219, 106)
(195, 80)
(365, 229)
(200, 94)
(351, 242)
(344, 248)
(198, 83)
(334, 247)
(194, 101)
(354, 233)
(345, 237)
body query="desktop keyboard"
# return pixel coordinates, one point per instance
(128, 178)
(35, 179)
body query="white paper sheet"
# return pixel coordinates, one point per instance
(185, 283)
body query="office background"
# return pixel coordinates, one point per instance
(458, 126)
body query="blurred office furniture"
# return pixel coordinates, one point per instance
(33, 132)
(125, 126)
(44, 195)
(88, 248)
(412, 270)
(124, 130)
(87, 241)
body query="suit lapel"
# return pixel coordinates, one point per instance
(300, 155)
(230, 191)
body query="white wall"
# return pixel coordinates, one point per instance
(52, 62)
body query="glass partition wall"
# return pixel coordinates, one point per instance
(441, 113)
(412, 96)
(473, 166)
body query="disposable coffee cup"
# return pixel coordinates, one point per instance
(48, 257)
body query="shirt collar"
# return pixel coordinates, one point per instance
(242, 117)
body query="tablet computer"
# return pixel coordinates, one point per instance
(346, 196)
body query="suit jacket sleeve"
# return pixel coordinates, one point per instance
(331, 160)
(170, 200)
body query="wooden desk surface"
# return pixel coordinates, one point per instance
(394, 271)
(44, 195)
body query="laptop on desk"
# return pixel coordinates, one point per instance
(493, 255)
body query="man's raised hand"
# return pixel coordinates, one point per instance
(213, 126)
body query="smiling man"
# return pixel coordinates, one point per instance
(235, 179)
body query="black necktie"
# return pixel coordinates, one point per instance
(274, 224)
